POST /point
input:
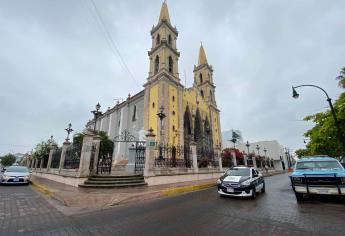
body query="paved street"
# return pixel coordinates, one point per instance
(25, 212)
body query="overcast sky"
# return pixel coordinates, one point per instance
(56, 62)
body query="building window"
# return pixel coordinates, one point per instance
(211, 96)
(200, 77)
(169, 40)
(118, 123)
(153, 105)
(158, 39)
(173, 127)
(173, 98)
(156, 64)
(170, 64)
(134, 117)
(202, 93)
(173, 112)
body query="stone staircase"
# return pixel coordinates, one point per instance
(114, 181)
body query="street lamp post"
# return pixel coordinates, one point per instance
(265, 151)
(161, 115)
(258, 149)
(247, 145)
(96, 114)
(329, 100)
(68, 130)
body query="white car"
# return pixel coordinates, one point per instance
(241, 182)
(15, 175)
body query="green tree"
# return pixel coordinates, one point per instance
(302, 152)
(8, 160)
(42, 149)
(106, 146)
(341, 78)
(323, 136)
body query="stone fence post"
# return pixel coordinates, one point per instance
(233, 154)
(150, 154)
(97, 142)
(85, 158)
(63, 154)
(254, 162)
(36, 164)
(194, 157)
(220, 160)
(51, 152)
(41, 163)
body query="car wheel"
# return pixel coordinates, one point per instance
(263, 189)
(253, 193)
(299, 197)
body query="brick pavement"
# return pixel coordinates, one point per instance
(23, 211)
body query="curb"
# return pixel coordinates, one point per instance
(47, 191)
(174, 191)
(41, 188)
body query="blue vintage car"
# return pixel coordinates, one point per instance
(318, 175)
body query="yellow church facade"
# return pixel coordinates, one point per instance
(191, 113)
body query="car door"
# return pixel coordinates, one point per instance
(260, 179)
(254, 178)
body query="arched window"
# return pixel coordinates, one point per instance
(156, 64)
(202, 93)
(169, 40)
(158, 40)
(211, 96)
(134, 117)
(170, 64)
(200, 77)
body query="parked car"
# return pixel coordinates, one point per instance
(241, 182)
(318, 175)
(15, 175)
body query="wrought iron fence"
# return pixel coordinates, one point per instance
(173, 156)
(140, 151)
(56, 158)
(72, 157)
(45, 161)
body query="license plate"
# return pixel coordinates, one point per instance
(16, 180)
(230, 190)
(323, 191)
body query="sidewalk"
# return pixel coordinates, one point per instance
(72, 200)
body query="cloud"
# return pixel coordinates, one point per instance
(56, 63)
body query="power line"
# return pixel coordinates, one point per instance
(112, 44)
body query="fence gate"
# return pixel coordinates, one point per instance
(140, 150)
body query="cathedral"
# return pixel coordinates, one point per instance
(190, 115)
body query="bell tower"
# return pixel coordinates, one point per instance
(203, 78)
(163, 54)
(203, 82)
(163, 87)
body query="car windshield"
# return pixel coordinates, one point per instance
(238, 172)
(318, 165)
(20, 169)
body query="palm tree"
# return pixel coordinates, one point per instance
(341, 78)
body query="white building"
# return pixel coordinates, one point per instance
(274, 151)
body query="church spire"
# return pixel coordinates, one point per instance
(164, 15)
(202, 56)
